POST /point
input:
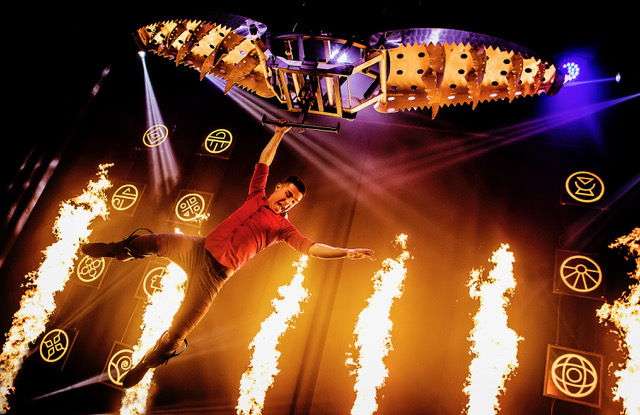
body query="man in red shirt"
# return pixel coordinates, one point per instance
(260, 222)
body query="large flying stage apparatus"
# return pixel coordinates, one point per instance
(320, 74)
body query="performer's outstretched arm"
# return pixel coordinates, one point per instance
(323, 251)
(269, 151)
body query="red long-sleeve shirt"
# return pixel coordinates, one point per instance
(253, 227)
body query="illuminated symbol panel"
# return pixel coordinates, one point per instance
(90, 269)
(155, 135)
(118, 364)
(573, 375)
(153, 279)
(125, 197)
(191, 207)
(218, 141)
(54, 345)
(579, 274)
(584, 187)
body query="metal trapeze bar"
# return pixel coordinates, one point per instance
(325, 128)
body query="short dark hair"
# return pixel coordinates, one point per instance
(296, 181)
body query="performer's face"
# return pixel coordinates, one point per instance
(284, 197)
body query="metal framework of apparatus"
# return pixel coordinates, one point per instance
(320, 74)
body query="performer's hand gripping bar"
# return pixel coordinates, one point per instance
(325, 128)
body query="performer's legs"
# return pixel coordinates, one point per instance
(205, 277)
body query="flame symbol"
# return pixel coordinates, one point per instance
(160, 308)
(624, 313)
(494, 344)
(373, 331)
(263, 366)
(71, 228)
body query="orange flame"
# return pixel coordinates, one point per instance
(494, 344)
(624, 313)
(160, 309)
(373, 331)
(71, 228)
(264, 361)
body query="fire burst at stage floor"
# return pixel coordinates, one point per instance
(549, 327)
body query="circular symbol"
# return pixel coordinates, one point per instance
(218, 141)
(54, 345)
(189, 207)
(155, 135)
(90, 269)
(119, 364)
(584, 186)
(574, 375)
(124, 197)
(580, 273)
(152, 280)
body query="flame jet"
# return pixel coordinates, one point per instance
(494, 344)
(161, 307)
(373, 331)
(264, 361)
(624, 313)
(71, 228)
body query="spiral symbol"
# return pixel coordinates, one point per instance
(155, 135)
(119, 364)
(90, 269)
(574, 375)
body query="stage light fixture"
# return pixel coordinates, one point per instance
(618, 77)
(142, 53)
(572, 71)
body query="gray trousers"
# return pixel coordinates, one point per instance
(205, 276)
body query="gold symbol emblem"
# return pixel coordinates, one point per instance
(574, 375)
(152, 280)
(580, 273)
(119, 364)
(218, 141)
(124, 197)
(190, 207)
(584, 186)
(54, 345)
(155, 135)
(89, 269)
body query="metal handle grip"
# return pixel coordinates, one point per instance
(325, 128)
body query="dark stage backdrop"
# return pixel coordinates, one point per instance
(459, 186)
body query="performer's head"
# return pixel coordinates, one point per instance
(287, 194)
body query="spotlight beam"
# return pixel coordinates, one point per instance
(427, 162)
(90, 381)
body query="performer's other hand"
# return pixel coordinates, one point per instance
(360, 253)
(281, 128)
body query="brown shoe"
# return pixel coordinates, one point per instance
(153, 358)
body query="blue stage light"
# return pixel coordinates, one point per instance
(618, 77)
(572, 71)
